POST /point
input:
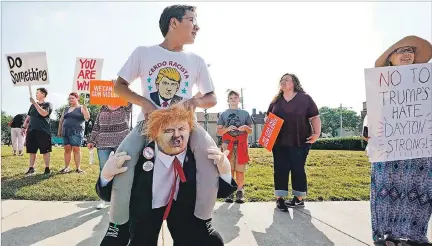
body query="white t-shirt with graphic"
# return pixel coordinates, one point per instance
(167, 77)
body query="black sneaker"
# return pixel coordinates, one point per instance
(280, 204)
(295, 202)
(30, 171)
(239, 197)
(116, 235)
(47, 170)
(230, 198)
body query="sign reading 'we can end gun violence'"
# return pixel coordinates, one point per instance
(270, 131)
(86, 69)
(29, 68)
(102, 93)
(399, 105)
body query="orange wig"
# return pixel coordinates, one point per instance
(160, 119)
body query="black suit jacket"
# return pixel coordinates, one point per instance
(141, 195)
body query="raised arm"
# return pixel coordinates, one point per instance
(43, 112)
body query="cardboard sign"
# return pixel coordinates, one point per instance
(399, 104)
(29, 68)
(86, 69)
(102, 93)
(270, 131)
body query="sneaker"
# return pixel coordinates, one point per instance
(116, 235)
(30, 171)
(20, 153)
(295, 202)
(79, 171)
(230, 198)
(280, 204)
(14, 153)
(101, 205)
(239, 196)
(47, 170)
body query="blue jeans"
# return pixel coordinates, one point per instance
(103, 155)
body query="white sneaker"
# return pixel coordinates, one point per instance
(101, 205)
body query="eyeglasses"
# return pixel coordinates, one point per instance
(402, 50)
(193, 19)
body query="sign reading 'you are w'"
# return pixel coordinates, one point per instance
(399, 105)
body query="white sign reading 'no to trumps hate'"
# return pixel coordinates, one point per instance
(29, 68)
(399, 105)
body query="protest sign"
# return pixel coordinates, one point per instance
(399, 108)
(86, 69)
(29, 68)
(102, 93)
(270, 131)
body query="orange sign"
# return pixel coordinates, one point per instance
(270, 131)
(102, 93)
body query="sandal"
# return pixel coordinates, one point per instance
(65, 170)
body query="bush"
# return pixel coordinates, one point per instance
(347, 143)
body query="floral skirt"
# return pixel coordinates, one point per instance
(401, 199)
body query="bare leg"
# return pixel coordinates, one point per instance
(32, 160)
(67, 155)
(47, 158)
(77, 156)
(239, 179)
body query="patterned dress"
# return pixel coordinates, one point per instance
(401, 199)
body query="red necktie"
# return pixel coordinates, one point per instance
(177, 170)
(165, 104)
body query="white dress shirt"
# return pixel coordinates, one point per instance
(162, 101)
(163, 177)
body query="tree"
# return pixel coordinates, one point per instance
(330, 118)
(5, 129)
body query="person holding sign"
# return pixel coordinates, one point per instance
(38, 131)
(71, 128)
(291, 148)
(110, 128)
(234, 125)
(172, 73)
(401, 190)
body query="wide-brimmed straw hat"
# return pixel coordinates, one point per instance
(423, 50)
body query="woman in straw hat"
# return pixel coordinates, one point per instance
(407, 216)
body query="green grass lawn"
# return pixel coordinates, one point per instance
(332, 175)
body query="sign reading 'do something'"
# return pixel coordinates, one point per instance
(29, 68)
(86, 69)
(399, 105)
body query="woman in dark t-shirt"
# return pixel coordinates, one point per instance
(301, 128)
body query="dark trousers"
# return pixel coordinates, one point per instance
(185, 229)
(288, 159)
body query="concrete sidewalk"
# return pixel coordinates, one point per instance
(79, 223)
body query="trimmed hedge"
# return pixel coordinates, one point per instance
(346, 143)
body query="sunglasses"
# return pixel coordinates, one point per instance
(403, 50)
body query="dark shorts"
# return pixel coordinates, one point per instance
(37, 140)
(73, 140)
